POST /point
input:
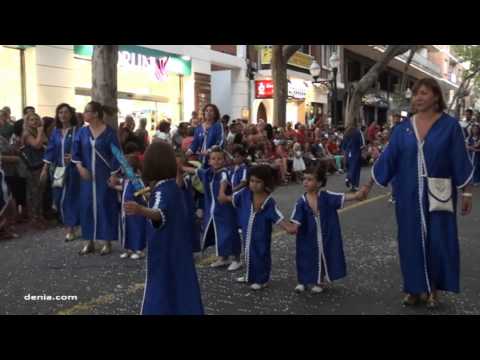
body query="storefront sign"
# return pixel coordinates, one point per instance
(298, 59)
(263, 89)
(134, 57)
(297, 89)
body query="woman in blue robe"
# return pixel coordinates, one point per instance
(473, 144)
(209, 134)
(99, 203)
(428, 240)
(171, 285)
(59, 154)
(354, 143)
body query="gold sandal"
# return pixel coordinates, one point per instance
(432, 302)
(410, 300)
(87, 249)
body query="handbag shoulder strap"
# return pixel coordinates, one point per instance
(100, 156)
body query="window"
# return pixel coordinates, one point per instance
(305, 49)
(327, 51)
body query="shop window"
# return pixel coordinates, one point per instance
(140, 93)
(11, 77)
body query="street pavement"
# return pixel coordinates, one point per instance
(41, 263)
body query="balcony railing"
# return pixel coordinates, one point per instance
(420, 61)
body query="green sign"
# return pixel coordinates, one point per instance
(138, 56)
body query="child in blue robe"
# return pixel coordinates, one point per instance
(171, 286)
(319, 246)
(220, 223)
(238, 173)
(257, 212)
(133, 231)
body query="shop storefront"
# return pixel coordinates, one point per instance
(296, 105)
(150, 83)
(12, 75)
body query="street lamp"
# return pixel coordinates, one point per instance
(315, 70)
(334, 62)
(408, 94)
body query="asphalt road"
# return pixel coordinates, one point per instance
(40, 263)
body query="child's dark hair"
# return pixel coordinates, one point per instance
(264, 173)
(217, 149)
(240, 150)
(131, 147)
(320, 173)
(159, 162)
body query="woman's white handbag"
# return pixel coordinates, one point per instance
(59, 177)
(440, 194)
(439, 189)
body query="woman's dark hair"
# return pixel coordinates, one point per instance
(264, 173)
(433, 85)
(100, 109)
(163, 126)
(190, 131)
(131, 147)
(159, 162)
(27, 109)
(47, 122)
(71, 110)
(240, 150)
(215, 110)
(320, 173)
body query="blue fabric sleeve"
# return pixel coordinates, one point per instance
(335, 200)
(77, 147)
(298, 216)
(196, 142)
(160, 206)
(50, 155)
(273, 212)
(462, 168)
(237, 199)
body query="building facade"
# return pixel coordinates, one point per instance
(154, 81)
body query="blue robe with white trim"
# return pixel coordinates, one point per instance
(475, 159)
(67, 198)
(219, 220)
(238, 174)
(193, 228)
(134, 227)
(171, 286)
(257, 234)
(429, 259)
(319, 245)
(5, 195)
(99, 205)
(353, 151)
(204, 140)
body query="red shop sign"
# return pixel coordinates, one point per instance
(263, 89)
